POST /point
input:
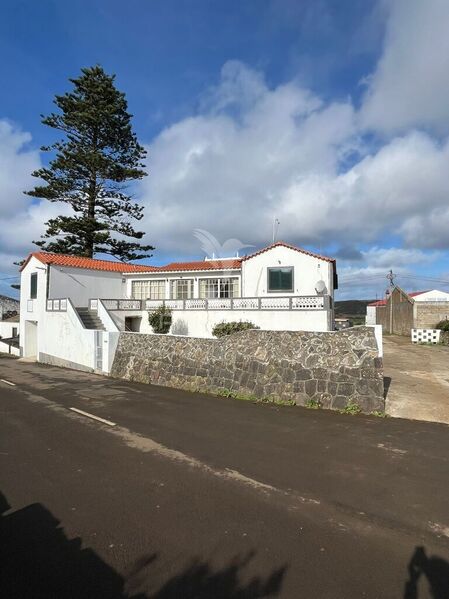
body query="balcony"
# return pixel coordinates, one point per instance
(303, 302)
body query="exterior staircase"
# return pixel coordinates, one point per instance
(90, 319)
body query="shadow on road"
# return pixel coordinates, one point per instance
(434, 569)
(38, 561)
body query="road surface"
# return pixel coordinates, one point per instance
(191, 496)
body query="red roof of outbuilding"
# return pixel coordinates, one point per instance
(88, 263)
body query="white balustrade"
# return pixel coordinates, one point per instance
(174, 304)
(245, 303)
(312, 302)
(223, 303)
(308, 303)
(195, 304)
(275, 303)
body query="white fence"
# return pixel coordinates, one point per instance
(426, 335)
(304, 302)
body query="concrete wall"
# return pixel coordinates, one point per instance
(6, 328)
(9, 349)
(332, 368)
(66, 342)
(32, 311)
(397, 316)
(80, 284)
(199, 323)
(370, 318)
(428, 314)
(307, 271)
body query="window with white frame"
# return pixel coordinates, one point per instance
(148, 289)
(181, 289)
(221, 287)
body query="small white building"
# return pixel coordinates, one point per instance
(71, 304)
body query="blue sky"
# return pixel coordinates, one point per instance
(332, 115)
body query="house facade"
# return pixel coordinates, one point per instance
(72, 302)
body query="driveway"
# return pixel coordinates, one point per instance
(417, 380)
(190, 496)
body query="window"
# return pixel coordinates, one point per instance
(181, 289)
(148, 289)
(280, 279)
(33, 285)
(211, 288)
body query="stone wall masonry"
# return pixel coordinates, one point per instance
(332, 368)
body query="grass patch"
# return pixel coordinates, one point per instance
(351, 408)
(248, 397)
(313, 404)
(379, 414)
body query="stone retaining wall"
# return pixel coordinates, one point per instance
(332, 368)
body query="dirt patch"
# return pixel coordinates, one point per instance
(417, 377)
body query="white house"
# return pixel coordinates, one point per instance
(73, 307)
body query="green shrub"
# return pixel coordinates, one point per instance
(443, 325)
(160, 319)
(228, 328)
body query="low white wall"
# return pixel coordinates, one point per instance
(64, 338)
(199, 323)
(370, 315)
(6, 349)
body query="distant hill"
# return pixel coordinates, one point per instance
(351, 307)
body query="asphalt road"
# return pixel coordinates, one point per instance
(191, 496)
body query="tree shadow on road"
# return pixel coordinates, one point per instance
(38, 561)
(435, 569)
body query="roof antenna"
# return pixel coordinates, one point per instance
(276, 224)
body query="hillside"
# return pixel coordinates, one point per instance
(351, 307)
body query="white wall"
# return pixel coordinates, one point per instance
(307, 271)
(32, 311)
(66, 339)
(6, 328)
(432, 296)
(6, 349)
(80, 284)
(370, 318)
(199, 323)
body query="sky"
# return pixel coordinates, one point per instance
(330, 115)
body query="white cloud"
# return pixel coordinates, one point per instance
(410, 86)
(16, 164)
(282, 153)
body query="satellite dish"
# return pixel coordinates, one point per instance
(320, 287)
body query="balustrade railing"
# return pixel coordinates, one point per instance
(303, 302)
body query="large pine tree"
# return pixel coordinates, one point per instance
(90, 169)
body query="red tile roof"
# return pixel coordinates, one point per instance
(88, 263)
(225, 264)
(383, 302)
(379, 303)
(291, 247)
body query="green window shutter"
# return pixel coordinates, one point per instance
(280, 279)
